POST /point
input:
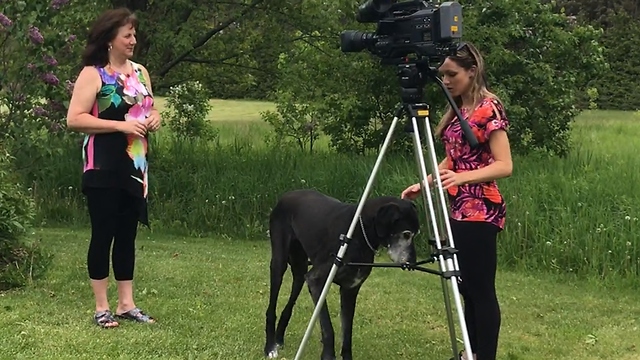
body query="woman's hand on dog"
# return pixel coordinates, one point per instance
(449, 178)
(413, 191)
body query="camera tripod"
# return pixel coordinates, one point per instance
(413, 77)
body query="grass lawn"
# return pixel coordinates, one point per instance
(237, 121)
(210, 295)
(229, 110)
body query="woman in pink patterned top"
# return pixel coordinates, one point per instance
(477, 207)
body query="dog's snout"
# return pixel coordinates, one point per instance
(402, 248)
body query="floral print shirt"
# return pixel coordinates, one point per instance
(482, 201)
(117, 159)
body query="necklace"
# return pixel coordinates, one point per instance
(112, 68)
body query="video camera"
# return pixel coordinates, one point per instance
(414, 35)
(416, 27)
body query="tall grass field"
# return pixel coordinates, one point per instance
(575, 215)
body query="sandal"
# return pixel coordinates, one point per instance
(105, 319)
(137, 315)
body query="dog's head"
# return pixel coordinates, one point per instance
(396, 223)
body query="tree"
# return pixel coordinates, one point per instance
(229, 46)
(616, 87)
(538, 62)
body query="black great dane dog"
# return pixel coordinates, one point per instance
(305, 226)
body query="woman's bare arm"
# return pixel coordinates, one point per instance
(79, 116)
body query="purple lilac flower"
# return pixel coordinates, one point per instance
(35, 36)
(72, 38)
(50, 60)
(31, 66)
(55, 127)
(39, 111)
(56, 105)
(5, 21)
(57, 4)
(50, 78)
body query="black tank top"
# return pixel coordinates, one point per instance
(117, 159)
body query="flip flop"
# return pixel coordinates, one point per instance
(105, 319)
(137, 315)
(459, 357)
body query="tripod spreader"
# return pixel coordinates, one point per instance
(446, 252)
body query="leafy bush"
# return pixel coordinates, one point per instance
(37, 64)
(187, 108)
(540, 62)
(20, 261)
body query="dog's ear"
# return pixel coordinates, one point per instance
(385, 217)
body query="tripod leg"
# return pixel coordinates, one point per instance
(450, 264)
(447, 308)
(354, 222)
(443, 280)
(433, 217)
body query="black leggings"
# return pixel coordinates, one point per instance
(114, 219)
(477, 257)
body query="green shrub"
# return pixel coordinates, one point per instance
(187, 109)
(20, 260)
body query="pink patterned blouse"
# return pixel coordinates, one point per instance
(482, 201)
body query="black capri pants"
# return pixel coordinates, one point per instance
(114, 220)
(477, 257)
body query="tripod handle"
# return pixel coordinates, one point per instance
(464, 124)
(466, 129)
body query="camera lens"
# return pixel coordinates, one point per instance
(355, 41)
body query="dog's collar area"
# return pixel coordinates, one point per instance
(364, 234)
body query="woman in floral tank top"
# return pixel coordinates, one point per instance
(469, 176)
(112, 104)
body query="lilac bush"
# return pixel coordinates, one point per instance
(39, 59)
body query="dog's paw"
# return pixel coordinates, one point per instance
(273, 354)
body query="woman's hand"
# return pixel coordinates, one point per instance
(132, 127)
(411, 192)
(451, 178)
(153, 121)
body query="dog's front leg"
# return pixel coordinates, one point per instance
(348, 298)
(316, 284)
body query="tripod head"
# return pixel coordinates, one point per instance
(413, 76)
